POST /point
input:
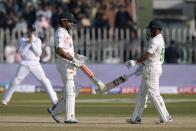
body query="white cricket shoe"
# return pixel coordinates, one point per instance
(54, 117)
(4, 103)
(162, 122)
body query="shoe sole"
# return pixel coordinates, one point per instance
(159, 122)
(71, 122)
(57, 121)
(132, 122)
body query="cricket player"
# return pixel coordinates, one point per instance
(151, 61)
(66, 64)
(30, 50)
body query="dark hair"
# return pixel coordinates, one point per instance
(31, 27)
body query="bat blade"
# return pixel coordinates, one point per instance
(116, 82)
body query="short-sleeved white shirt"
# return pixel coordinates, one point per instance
(64, 40)
(157, 48)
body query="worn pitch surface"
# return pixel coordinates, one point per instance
(45, 123)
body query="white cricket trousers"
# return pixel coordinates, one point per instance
(150, 87)
(23, 70)
(67, 102)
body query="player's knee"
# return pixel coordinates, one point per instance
(70, 77)
(70, 74)
(69, 94)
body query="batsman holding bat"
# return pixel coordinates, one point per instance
(151, 61)
(66, 63)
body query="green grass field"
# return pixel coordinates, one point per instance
(27, 111)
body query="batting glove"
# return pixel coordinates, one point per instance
(131, 63)
(82, 58)
(77, 63)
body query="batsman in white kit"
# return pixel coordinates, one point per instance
(30, 50)
(152, 70)
(66, 63)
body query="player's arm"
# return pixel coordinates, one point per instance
(48, 56)
(36, 48)
(23, 48)
(144, 57)
(77, 63)
(141, 60)
(64, 54)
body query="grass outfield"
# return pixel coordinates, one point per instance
(27, 111)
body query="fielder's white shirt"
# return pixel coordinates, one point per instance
(64, 40)
(157, 48)
(30, 52)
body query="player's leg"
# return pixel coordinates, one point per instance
(38, 72)
(69, 97)
(140, 103)
(155, 97)
(64, 104)
(21, 73)
(57, 109)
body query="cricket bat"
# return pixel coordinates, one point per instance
(91, 76)
(116, 82)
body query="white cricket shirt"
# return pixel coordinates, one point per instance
(157, 48)
(64, 40)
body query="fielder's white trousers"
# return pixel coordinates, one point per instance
(150, 87)
(23, 70)
(67, 102)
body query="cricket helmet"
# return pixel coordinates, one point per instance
(155, 24)
(68, 16)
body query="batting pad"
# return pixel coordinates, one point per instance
(70, 108)
(69, 99)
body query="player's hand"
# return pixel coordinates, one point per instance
(131, 63)
(77, 63)
(82, 58)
